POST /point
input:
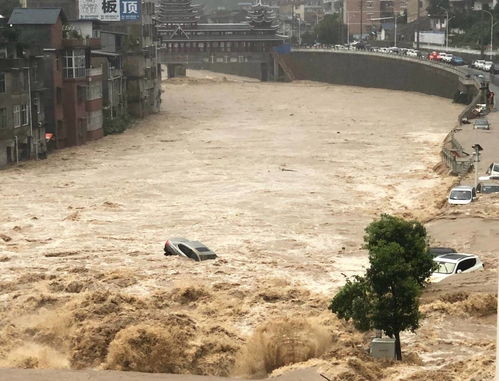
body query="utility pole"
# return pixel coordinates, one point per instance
(417, 25)
(477, 149)
(395, 37)
(361, 17)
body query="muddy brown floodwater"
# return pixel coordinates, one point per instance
(279, 179)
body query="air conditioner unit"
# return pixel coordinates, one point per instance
(382, 348)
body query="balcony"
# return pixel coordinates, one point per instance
(94, 71)
(92, 43)
(114, 73)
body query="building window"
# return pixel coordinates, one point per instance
(2, 82)
(74, 63)
(95, 90)
(17, 116)
(3, 52)
(24, 115)
(3, 117)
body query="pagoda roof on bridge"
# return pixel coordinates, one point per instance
(213, 28)
(247, 37)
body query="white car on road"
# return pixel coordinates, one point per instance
(446, 57)
(487, 65)
(455, 263)
(478, 64)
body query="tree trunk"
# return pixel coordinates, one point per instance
(398, 349)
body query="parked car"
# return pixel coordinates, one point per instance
(194, 250)
(445, 57)
(434, 56)
(457, 61)
(481, 124)
(493, 169)
(478, 64)
(487, 187)
(487, 66)
(412, 53)
(455, 263)
(436, 251)
(461, 195)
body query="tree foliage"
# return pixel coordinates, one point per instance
(387, 296)
(435, 7)
(406, 238)
(330, 29)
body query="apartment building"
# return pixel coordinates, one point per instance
(361, 16)
(22, 118)
(71, 117)
(137, 53)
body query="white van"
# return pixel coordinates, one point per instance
(461, 195)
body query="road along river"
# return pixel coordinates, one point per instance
(279, 179)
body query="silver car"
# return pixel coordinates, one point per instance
(194, 250)
(481, 124)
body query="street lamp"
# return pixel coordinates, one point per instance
(491, 28)
(446, 27)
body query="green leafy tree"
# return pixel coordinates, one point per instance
(435, 7)
(308, 38)
(330, 29)
(387, 296)
(409, 238)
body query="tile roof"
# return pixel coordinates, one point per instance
(36, 16)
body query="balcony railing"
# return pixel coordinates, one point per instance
(94, 71)
(114, 73)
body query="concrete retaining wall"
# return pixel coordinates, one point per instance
(368, 70)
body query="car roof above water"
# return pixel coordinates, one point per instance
(453, 257)
(463, 187)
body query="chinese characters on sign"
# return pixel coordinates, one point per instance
(130, 9)
(110, 10)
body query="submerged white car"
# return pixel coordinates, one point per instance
(461, 195)
(455, 263)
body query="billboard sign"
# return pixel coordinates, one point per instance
(431, 38)
(109, 10)
(130, 10)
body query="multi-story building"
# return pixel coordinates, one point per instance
(413, 9)
(15, 122)
(141, 66)
(361, 16)
(72, 118)
(137, 59)
(110, 58)
(22, 118)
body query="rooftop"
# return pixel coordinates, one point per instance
(36, 16)
(244, 37)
